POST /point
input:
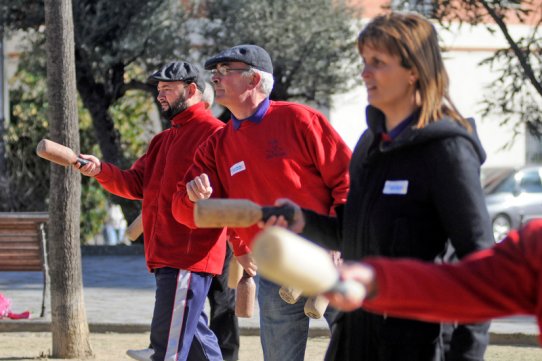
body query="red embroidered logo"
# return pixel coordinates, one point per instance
(274, 150)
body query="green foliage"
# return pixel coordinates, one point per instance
(28, 175)
(512, 94)
(21, 14)
(112, 32)
(112, 35)
(311, 43)
(132, 115)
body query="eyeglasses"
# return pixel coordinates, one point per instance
(223, 70)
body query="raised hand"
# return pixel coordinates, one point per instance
(199, 188)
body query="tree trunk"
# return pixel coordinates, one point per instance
(69, 321)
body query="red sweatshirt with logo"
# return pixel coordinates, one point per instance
(153, 178)
(500, 281)
(292, 153)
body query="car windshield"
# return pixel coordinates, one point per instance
(508, 185)
(493, 178)
(525, 181)
(530, 182)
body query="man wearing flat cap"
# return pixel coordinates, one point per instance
(268, 150)
(183, 260)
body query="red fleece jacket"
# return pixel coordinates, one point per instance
(153, 178)
(292, 153)
(500, 281)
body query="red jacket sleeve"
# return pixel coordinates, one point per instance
(495, 282)
(239, 247)
(124, 183)
(331, 157)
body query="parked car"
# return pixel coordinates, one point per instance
(513, 197)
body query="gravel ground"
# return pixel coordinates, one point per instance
(112, 347)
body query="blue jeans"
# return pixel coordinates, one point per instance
(283, 327)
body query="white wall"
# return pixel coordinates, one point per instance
(468, 83)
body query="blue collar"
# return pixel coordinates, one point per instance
(254, 118)
(405, 123)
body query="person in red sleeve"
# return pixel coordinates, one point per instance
(183, 260)
(500, 281)
(268, 149)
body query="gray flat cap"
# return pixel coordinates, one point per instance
(252, 55)
(179, 71)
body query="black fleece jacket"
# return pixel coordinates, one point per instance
(409, 197)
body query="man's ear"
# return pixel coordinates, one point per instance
(254, 80)
(192, 89)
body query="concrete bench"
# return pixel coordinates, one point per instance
(23, 247)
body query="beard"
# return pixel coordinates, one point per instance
(175, 108)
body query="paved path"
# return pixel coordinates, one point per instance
(119, 296)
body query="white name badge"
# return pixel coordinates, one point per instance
(237, 167)
(395, 187)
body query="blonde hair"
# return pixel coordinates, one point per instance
(414, 40)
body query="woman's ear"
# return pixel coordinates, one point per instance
(413, 78)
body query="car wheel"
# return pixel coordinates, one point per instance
(501, 227)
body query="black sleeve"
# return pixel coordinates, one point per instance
(458, 195)
(323, 230)
(459, 199)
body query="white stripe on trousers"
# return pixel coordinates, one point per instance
(177, 316)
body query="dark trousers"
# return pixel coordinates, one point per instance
(223, 320)
(362, 336)
(178, 319)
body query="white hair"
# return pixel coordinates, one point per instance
(208, 95)
(266, 80)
